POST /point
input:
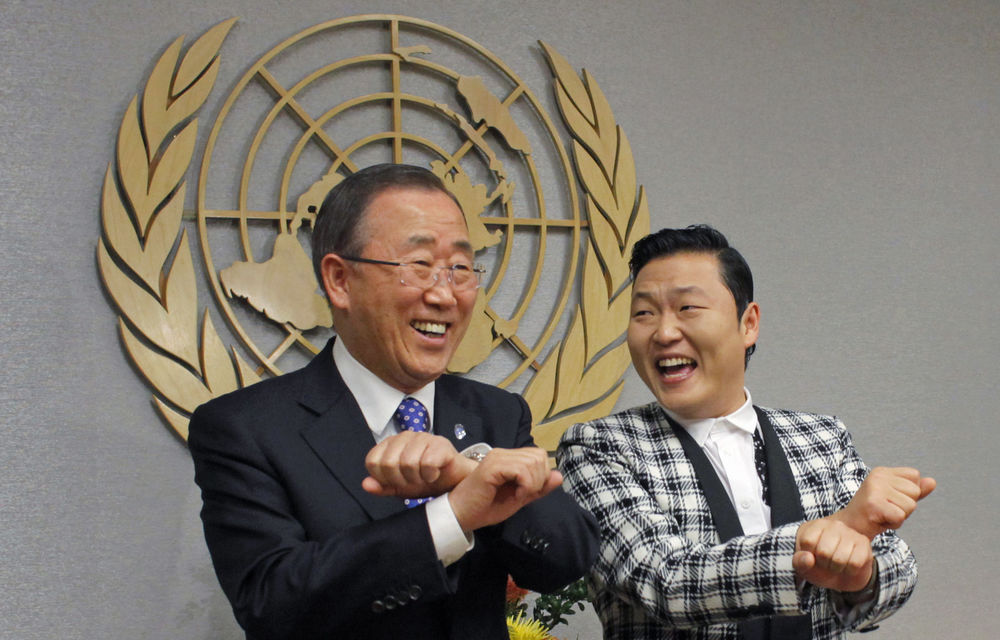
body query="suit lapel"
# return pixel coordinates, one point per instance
(786, 504)
(339, 435)
(453, 421)
(727, 522)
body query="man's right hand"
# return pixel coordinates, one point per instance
(505, 481)
(885, 500)
(832, 555)
(415, 464)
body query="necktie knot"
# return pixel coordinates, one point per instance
(411, 415)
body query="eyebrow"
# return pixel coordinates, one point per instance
(462, 245)
(676, 291)
(688, 289)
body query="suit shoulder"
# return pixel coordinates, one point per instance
(632, 423)
(790, 415)
(259, 409)
(265, 391)
(787, 420)
(458, 387)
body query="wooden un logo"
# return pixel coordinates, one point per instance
(554, 223)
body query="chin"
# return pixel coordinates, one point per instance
(428, 374)
(688, 410)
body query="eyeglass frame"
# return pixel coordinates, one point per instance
(476, 269)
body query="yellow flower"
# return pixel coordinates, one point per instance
(530, 629)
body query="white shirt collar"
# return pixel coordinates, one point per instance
(378, 400)
(744, 418)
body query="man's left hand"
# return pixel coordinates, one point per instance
(505, 481)
(885, 500)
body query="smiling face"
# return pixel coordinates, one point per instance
(686, 341)
(404, 335)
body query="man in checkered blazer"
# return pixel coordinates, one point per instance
(721, 519)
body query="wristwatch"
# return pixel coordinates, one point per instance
(477, 451)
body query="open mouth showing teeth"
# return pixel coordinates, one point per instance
(429, 328)
(676, 366)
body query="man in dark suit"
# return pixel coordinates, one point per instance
(315, 483)
(719, 518)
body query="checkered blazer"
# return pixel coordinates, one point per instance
(662, 571)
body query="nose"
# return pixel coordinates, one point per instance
(441, 293)
(668, 330)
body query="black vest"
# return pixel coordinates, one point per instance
(786, 506)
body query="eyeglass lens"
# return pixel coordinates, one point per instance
(425, 276)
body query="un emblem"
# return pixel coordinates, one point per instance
(553, 222)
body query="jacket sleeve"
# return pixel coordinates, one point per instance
(285, 582)
(897, 568)
(650, 561)
(549, 542)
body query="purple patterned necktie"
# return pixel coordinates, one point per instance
(412, 416)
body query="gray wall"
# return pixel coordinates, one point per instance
(850, 149)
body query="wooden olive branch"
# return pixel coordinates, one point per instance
(142, 203)
(582, 369)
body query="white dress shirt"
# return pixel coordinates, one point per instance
(378, 402)
(728, 444)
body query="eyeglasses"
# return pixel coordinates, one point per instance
(421, 275)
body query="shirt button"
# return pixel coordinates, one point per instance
(745, 504)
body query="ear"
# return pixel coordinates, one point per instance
(750, 324)
(335, 271)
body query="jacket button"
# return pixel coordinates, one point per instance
(415, 592)
(378, 606)
(527, 539)
(391, 602)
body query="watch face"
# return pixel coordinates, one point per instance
(477, 451)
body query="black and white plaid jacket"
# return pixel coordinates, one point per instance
(662, 572)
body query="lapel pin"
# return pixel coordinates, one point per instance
(459, 431)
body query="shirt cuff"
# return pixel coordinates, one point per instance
(853, 607)
(450, 542)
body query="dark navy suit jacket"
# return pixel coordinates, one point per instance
(302, 551)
